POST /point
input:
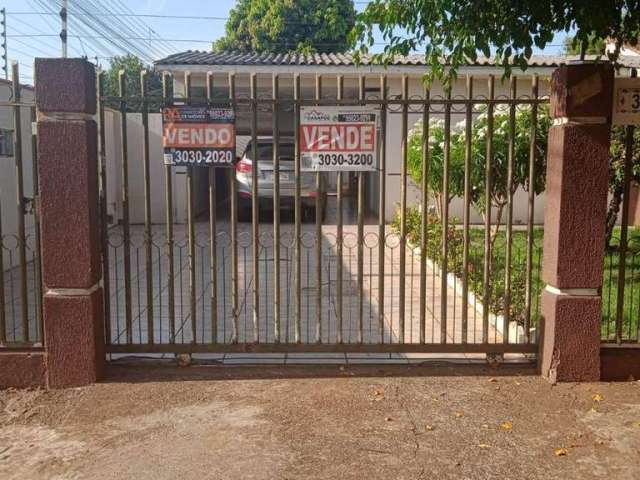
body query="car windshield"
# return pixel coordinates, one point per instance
(265, 151)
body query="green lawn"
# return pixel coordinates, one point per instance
(631, 311)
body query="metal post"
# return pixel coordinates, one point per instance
(102, 154)
(213, 232)
(467, 202)
(191, 227)
(169, 226)
(276, 209)
(147, 206)
(318, 236)
(22, 238)
(340, 230)
(234, 232)
(486, 276)
(509, 222)
(403, 207)
(425, 214)
(444, 267)
(298, 211)
(531, 206)
(361, 206)
(125, 206)
(382, 240)
(255, 212)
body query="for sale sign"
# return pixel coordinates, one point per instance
(338, 139)
(199, 136)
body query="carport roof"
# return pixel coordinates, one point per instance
(341, 60)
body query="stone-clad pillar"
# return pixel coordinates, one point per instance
(574, 222)
(68, 179)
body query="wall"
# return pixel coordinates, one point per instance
(114, 155)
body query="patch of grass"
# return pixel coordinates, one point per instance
(631, 307)
(631, 298)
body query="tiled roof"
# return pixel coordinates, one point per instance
(339, 59)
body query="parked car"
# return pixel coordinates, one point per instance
(308, 191)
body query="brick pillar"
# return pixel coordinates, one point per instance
(68, 179)
(574, 222)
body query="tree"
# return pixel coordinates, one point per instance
(283, 26)
(499, 193)
(454, 32)
(594, 46)
(132, 67)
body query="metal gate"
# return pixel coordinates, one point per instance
(20, 279)
(201, 281)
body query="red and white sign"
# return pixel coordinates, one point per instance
(338, 139)
(199, 136)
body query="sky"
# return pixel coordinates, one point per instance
(32, 34)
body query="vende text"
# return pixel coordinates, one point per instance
(199, 135)
(353, 137)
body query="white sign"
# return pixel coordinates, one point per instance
(626, 101)
(338, 139)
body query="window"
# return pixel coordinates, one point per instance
(6, 142)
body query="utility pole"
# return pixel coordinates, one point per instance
(5, 64)
(63, 32)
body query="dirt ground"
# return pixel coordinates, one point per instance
(334, 422)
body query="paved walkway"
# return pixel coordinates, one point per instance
(327, 314)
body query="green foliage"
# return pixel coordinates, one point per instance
(454, 32)
(595, 46)
(479, 135)
(455, 241)
(132, 66)
(283, 26)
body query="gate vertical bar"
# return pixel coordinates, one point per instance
(276, 209)
(445, 218)
(298, 212)
(624, 226)
(125, 207)
(191, 228)
(531, 207)
(509, 229)
(234, 231)
(36, 227)
(22, 238)
(425, 214)
(147, 206)
(382, 241)
(3, 324)
(340, 230)
(318, 235)
(169, 227)
(404, 152)
(104, 230)
(361, 206)
(213, 232)
(466, 213)
(486, 276)
(255, 228)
